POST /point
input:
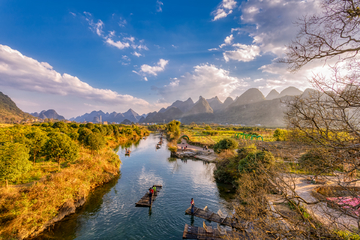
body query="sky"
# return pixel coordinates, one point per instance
(80, 56)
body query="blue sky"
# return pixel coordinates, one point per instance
(79, 56)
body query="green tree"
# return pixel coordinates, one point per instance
(37, 140)
(207, 127)
(61, 148)
(83, 132)
(95, 141)
(14, 161)
(226, 143)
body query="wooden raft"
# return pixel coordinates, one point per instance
(214, 217)
(144, 201)
(192, 232)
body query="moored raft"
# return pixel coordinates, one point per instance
(215, 217)
(144, 201)
(209, 233)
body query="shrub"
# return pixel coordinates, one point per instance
(316, 162)
(254, 160)
(280, 134)
(226, 143)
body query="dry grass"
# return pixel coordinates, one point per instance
(25, 210)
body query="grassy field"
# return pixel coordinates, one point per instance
(210, 137)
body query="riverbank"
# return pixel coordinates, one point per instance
(186, 150)
(27, 211)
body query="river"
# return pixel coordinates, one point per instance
(110, 211)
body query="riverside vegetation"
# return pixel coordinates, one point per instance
(51, 168)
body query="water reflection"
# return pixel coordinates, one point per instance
(70, 225)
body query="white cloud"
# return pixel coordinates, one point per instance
(244, 53)
(158, 6)
(145, 78)
(73, 14)
(131, 39)
(122, 22)
(228, 40)
(206, 80)
(126, 60)
(109, 39)
(117, 44)
(24, 73)
(213, 49)
(136, 54)
(273, 22)
(95, 27)
(153, 70)
(224, 9)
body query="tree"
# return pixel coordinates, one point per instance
(332, 32)
(280, 134)
(94, 141)
(60, 148)
(226, 143)
(37, 140)
(14, 161)
(83, 132)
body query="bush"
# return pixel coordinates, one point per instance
(315, 161)
(226, 143)
(280, 134)
(254, 160)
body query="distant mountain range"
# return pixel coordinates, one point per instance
(94, 116)
(250, 108)
(51, 113)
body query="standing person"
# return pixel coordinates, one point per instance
(192, 205)
(154, 189)
(150, 195)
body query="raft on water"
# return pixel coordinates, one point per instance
(215, 217)
(144, 201)
(209, 233)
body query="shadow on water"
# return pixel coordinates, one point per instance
(226, 191)
(71, 224)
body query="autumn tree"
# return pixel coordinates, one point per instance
(37, 140)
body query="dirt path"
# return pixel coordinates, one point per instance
(326, 215)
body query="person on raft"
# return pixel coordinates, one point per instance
(154, 189)
(192, 205)
(150, 195)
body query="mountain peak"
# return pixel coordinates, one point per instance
(249, 96)
(290, 91)
(272, 95)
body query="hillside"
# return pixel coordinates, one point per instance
(167, 116)
(290, 91)
(201, 106)
(9, 112)
(272, 95)
(94, 116)
(227, 102)
(215, 103)
(252, 95)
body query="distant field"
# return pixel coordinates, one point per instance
(211, 136)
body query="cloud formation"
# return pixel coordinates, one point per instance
(206, 80)
(158, 6)
(153, 70)
(25, 73)
(225, 8)
(242, 53)
(110, 38)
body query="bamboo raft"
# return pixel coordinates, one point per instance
(214, 217)
(208, 233)
(144, 201)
